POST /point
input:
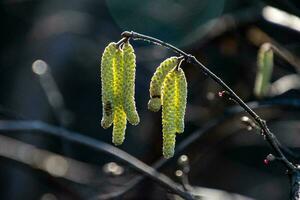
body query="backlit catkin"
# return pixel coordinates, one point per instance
(129, 86)
(181, 95)
(107, 78)
(119, 128)
(169, 128)
(174, 94)
(157, 79)
(169, 103)
(169, 140)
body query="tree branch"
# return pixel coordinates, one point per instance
(270, 137)
(72, 136)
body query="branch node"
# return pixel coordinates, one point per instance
(127, 34)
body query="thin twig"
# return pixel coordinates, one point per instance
(192, 139)
(287, 56)
(72, 136)
(270, 137)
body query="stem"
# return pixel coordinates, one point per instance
(269, 136)
(287, 56)
(163, 180)
(295, 185)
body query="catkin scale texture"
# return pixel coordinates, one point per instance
(107, 79)
(174, 95)
(129, 84)
(180, 99)
(157, 79)
(169, 103)
(169, 141)
(119, 128)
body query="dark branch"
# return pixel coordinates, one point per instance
(270, 137)
(72, 136)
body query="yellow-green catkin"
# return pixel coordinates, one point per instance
(129, 84)
(180, 99)
(107, 78)
(169, 140)
(169, 128)
(157, 79)
(169, 103)
(119, 128)
(264, 70)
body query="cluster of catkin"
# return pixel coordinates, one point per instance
(118, 77)
(168, 90)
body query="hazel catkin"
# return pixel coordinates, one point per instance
(119, 128)
(174, 94)
(157, 79)
(180, 99)
(169, 103)
(169, 140)
(129, 84)
(264, 70)
(107, 79)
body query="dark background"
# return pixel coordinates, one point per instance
(70, 37)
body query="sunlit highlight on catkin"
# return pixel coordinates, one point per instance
(129, 84)
(119, 114)
(107, 80)
(157, 79)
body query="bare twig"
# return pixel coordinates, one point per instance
(72, 136)
(192, 139)
(270, 137)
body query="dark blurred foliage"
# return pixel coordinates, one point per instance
(71, 35)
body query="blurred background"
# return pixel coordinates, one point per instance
(50, 71)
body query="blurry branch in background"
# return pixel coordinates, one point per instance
(281, 17)
(183, 172)
(285, 83)
(52, 92)
(218, 26)
(206, 131)
(268, 135)
(258, 38)
(54, 164)
(133, 162)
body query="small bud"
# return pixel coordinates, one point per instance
(178, 173)
(266, 161)
(183, 160)
(271, 157)
(221, 93)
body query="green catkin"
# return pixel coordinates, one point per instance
(169, 103)
(264, 70)
(107, 62)
(169, 140)
(129, 85)
(181, 95)
(119, 128)
(169, 128)
(157, 79)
